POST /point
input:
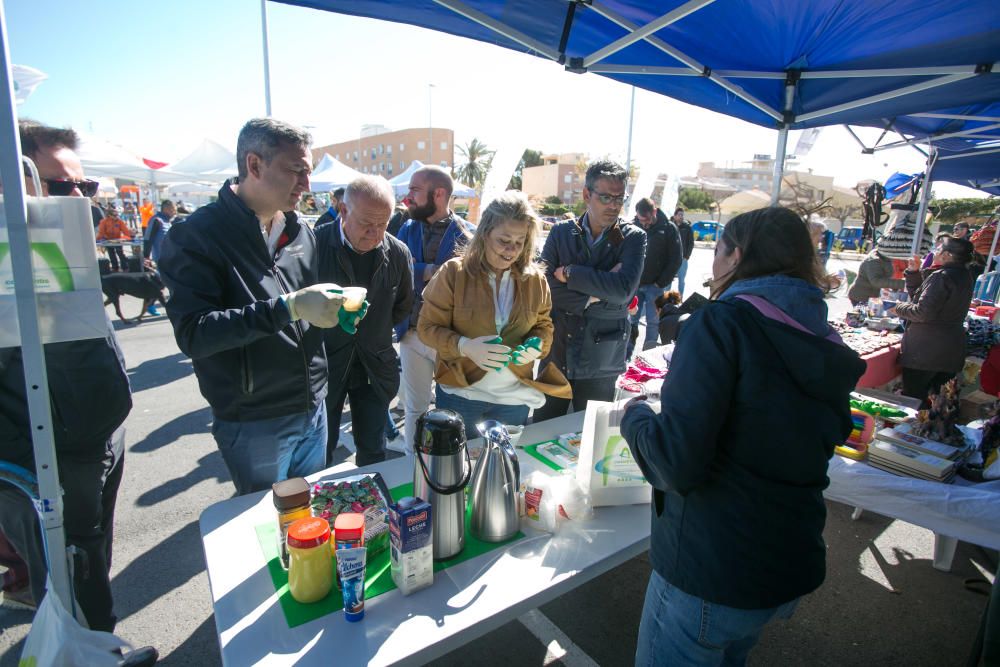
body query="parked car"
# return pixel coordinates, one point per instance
(706, 230)
(849, 238)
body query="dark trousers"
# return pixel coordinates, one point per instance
(593, 389)
(116, 255)
(90, 490)
(918, 383)
(368, 417)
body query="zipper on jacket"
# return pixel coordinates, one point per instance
(302, 337)
(247, 371)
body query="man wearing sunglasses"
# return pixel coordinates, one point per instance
(90, 396)
(593, 267)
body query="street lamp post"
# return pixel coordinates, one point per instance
(430, 123)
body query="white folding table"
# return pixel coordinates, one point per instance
(466, 601)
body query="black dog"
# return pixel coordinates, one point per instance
(145, 285)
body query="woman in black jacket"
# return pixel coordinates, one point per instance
(754, 403)
(934, 341)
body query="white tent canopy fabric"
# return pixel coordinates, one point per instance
(401, 182)
(331, 174)
(210, 162)
(103, 158)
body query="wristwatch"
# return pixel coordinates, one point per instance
(566, 271)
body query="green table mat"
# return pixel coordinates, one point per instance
(378, 579)
(533, 452)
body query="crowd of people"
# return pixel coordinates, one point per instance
(489, 328)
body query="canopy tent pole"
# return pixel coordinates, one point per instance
(949, 135)
(791, 81)
(925, 197)
(641, 33)
(779, 164)
(891, 94)
(267, 59)
(631, 120)
(691, 63)
(50, 504)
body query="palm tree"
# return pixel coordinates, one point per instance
(477, 159)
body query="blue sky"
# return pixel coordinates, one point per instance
(158, 76)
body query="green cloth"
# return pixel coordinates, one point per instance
(378, 579)
(533, 452)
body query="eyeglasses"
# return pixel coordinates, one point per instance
(605, 198)
(63, 187)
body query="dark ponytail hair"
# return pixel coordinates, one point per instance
(774, 241)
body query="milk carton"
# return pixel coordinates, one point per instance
(411, 547)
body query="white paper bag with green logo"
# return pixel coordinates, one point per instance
(67, 280)
(606, 465)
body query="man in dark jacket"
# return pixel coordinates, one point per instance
(593, 269)
(239, 272)
(89, 392)
(363, 366)
(433, 235)
(687, 245)
(663, 257)
(331, 214)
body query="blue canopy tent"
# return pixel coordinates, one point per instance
(785, 64)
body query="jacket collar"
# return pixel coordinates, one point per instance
(237, 208)
(612, 235)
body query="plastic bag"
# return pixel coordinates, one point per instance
(548, 502)
(606, 467)
(57, 640)
(67, 280)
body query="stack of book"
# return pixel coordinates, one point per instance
(898, 451)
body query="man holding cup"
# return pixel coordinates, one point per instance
(246, 306)
(357, 253)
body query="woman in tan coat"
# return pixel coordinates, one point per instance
(481, 311)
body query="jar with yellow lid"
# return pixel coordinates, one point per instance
(310, 568)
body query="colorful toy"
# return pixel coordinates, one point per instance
(862, 433)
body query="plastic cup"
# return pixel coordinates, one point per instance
(354, 297)
(514, 431)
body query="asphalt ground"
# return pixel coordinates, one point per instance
(882, 602)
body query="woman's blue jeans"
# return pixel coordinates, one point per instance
(681, 629)
(473, 412)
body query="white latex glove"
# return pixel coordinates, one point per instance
(316, 304)
(485, 354)
(528, 356)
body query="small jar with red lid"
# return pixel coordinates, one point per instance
(310, 568)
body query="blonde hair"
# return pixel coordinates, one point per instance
(511, 205)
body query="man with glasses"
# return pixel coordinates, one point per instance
(363, 364)
(593, 267)
(90, 396)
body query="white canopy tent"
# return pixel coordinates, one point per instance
(210, 162)
(330, 174)
(401, 182)
(101, 157)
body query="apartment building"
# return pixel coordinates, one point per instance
(558, 176)
(756, 173)
(378, 150)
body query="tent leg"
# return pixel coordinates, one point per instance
(779, 164)
(35, 377)
(925, 197)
